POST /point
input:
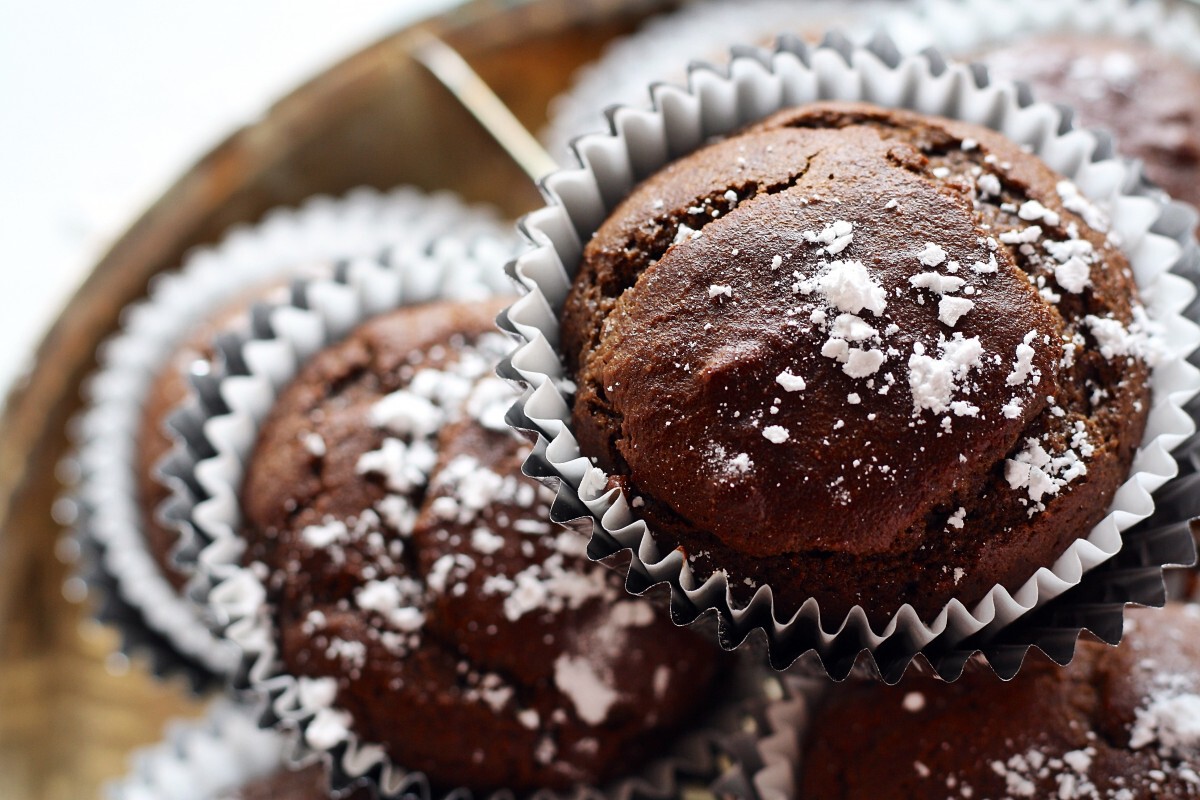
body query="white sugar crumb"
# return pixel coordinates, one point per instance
(1033, 211)
(1027, 236)
(952, 309)
(933, 381)
(849, 287)
(957, 519)
(1115, 340)
(986, 269)
(488, 403)
(407, 414)
(1074, 276)
(590, 693)
(1169, 719)
(718, 289)
(632, 614)
(936, 282)
(731, 197)
(1073, 258)
(932, 255)
(835, 236)
(776, 261)
(913, 702)
(1074, 201)
(921, 770)
(862, 363)
(893, 203)
(1023, 369)
(393, 600)
(485, 542)
(404, 467)
(776, 434)
(325, 535)
(446, 574)
(327, 729)
(988, 185)
(1040, 473)
(1011, 409)
(790, 382)
(853, 399)
(969, 144)
(314, 443)
(1022, 772)
(551, 586)
(685, 234)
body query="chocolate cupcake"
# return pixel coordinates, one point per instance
(1147, 97)
(1116, 723)
(860, 355)
(126, 544)
(404, 555)
(1156, 238)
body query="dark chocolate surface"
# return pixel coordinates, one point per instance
(410, 562)
(1117, 724)
(824, 351)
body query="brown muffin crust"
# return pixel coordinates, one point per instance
(1148, 98)
(1117, 724)
(408, 558)
(824, 352)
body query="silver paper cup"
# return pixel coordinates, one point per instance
(719, 101)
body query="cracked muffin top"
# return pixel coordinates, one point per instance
(419, 590)
(862, 355)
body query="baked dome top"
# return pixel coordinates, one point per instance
(839, 328)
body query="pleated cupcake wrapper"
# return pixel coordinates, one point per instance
(717, 102)
(217, 433)
(965, 26)
(207, 758)
(129, 588)
(202, 759)
(664, 45)
(661, 49)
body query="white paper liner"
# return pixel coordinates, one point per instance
(718, 102)
(323, 231)
(207, 758)
(259, 366)
(663, 47)
(202, 759)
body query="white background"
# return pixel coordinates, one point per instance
(104, 102)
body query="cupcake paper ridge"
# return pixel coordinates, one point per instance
(222, 425)
(718, 101)
(151, 614)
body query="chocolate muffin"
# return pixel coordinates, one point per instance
(1147, 97)
(406, 557)
(1117, 724)
(861, 355)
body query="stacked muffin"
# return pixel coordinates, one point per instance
(861, 379)
(1117, 724)
(834, 301)
(405, 556)
(850, 370)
